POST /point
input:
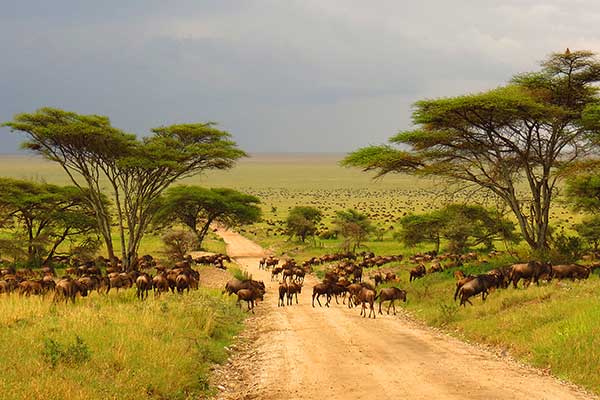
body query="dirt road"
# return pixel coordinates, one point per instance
(301, 352)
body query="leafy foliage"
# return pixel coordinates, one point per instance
(302, 222)
(536, 129)
(589, 230)
(44, 216)
(463, 226)
(198, 208)
(179, 243)
(354, 226)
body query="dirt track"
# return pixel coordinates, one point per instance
(301, 352)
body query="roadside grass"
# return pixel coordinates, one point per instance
(554, 326)
(114, 346)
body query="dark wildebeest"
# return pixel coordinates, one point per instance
(418, 272)
(461, 282)
(283, 289)
(570, 271)
(234, 285)
(160, 284)
(68, 288)
(182, 282)
(391, 294)
(319, 290)
(250, 296)
(480, 284)
(377, 278)
(293, 289)
(531, 271)
(143, 284)
(367, 296)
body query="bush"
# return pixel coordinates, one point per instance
(73, 354)
(566, 249)
(179, 243)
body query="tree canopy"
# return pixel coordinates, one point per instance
(46, 216)
(92, 151)
(354, 226)
(197, 208)
(462, 226)
(533, 130)
(302, 222)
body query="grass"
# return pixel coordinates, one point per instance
(554, 326)
(114, 346)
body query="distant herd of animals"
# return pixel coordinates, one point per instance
(81, 278)
(343, 277)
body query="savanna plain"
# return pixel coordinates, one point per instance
(114, 346)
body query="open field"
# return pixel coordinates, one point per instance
(554, 327)
(105, 347)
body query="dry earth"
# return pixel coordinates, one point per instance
(301, 352)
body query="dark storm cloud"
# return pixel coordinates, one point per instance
(280, 75)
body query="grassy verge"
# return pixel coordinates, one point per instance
(114, 346)
(555, 326)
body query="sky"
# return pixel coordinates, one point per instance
(279, 75)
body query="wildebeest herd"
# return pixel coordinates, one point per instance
(80, 278)
(343, 277)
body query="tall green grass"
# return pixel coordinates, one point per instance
(115, 346)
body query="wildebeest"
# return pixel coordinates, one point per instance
(367, 296)
(570, 271)
(418, 272)
(143, 285)
(293, 289)
(182, 282)
(391, 294)
(531, 271)
(461, 282)
(160, 284)
(68, 288)
(250, 296)
(319, 290)
(479, 284)
(283, 288)
(234, 285)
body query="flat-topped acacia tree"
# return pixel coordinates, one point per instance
(93, 152)
(533, 130)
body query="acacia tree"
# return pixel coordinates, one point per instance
(353, 226)
(90, 150)
(302, 222)
(463, 226)
(87, 147)
(535, 129)
(47, 215)
(198, 208)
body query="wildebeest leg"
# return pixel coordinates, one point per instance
(313, 299)
(389, 305)
(328, 296)
(394, 305)
(336, 299)
(381, 301)
(371, 309)
(362, 310)
(319, 301)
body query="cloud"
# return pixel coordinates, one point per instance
(300, 75)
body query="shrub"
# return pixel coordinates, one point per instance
(179, 243)
(73, 354)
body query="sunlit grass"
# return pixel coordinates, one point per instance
(158, 348)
